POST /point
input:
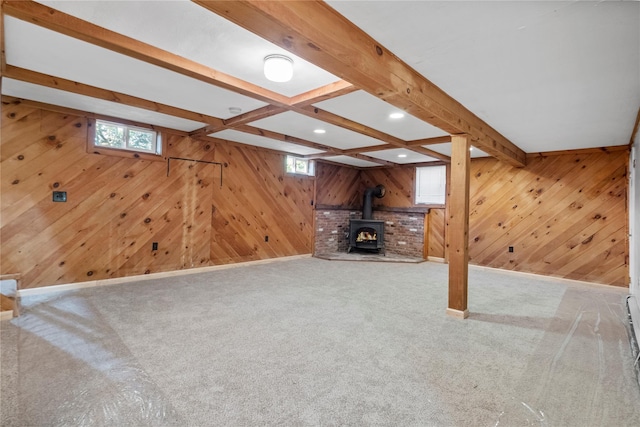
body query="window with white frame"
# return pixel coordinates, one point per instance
(125, 137)
(431, 185)
(298, 165)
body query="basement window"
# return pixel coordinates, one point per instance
(126, 137)
(299, 166)
(431, 185)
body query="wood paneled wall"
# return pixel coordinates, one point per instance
(338, 186)
(436, 238)
(564, 215)
(118, 206)
(399, 184)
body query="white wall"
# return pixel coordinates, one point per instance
(634, 219)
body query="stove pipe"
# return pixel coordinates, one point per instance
(367, 208)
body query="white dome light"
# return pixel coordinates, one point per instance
(278, 68)
(396, 115)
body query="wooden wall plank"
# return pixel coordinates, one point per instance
(545, 211)
(338, 186)
(436, 237)
(118, 206)
(564, 215)
(399, 184)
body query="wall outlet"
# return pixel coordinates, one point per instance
(266, 238)
(59, 196)
(511, 249)
(154, 246)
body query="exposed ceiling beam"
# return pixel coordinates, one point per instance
(284, 138)
(239, 144)
(370, 149)
(345, 123)
(24, 75)
(374, 160)
(429, 141)
(319, 34)
(293, 140)
(330, 91)
(74, 27)
(409, 165)
(80, 113)
(250, 116)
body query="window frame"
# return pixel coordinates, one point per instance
(310, 165)
(128, 152)
(445, 176)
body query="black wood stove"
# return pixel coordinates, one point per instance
(367, 233)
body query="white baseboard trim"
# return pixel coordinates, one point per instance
(144, 277)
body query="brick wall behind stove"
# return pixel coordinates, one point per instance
(332, 228)
(403, 232)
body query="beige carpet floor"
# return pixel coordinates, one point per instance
(313, 342)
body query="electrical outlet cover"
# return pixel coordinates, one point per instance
(59, 196)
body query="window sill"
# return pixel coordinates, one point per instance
(92, 149)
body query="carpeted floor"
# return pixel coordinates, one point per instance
(316, 342)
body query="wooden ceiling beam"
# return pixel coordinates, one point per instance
(248, 117)
(46, 80)
(330, 91)
(252, 116)
(285, 138)
(334, 119)
(429, 141)
(374, 160)
(299, 141)
(7, 100)
(370, 149)
(316, 32)
(63, 23)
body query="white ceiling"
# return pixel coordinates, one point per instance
(547, 75)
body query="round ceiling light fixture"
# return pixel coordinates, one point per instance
(402, 156)
(319, 131)
(396, 115)
(278, 68)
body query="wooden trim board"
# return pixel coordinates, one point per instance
(458, 314)
(579, 283)
(144, 277)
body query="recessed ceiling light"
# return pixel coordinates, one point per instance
(402, 155)
(319, 131)
(470, 148)
(278, 68)
(396, 115)
(235, 110)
